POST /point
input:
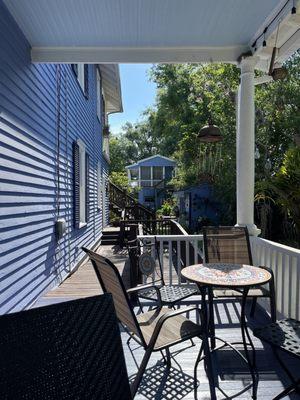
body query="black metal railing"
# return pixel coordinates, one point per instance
(124, 201)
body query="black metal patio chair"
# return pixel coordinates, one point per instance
(150, 266)
(155, 330)
(230, 244)
(64, 351)
(283, 335)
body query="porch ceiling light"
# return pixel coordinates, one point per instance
(210, 133)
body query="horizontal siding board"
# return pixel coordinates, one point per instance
(31, 259)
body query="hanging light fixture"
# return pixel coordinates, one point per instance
(278, 73)
(210, 133)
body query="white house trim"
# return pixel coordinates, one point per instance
(136, 54)
(150, 158)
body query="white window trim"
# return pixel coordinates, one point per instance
(82, 183)
(80, 75)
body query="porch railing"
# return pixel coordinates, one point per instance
(285, 263)
(178, 251)
(175, 252)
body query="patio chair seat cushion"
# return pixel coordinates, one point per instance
(284, 334)
(257, 292)
(170, 293)
(175, 329)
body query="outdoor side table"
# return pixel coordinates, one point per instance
(238, 276)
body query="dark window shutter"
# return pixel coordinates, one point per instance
(87, 186)
(75, 68)
(86, 80)
(76, 169)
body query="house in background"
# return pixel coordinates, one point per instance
(54, 165)
(152, 175)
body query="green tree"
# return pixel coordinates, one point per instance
(187, 96)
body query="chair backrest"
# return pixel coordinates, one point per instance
(227, 244)
(150, 248)
(111, 282)
(70, 350)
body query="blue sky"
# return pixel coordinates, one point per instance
(137, 94)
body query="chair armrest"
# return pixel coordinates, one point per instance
(132, 242)
(144, 287)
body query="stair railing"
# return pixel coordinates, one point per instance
(123, 200)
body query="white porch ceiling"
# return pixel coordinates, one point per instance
(109, 31)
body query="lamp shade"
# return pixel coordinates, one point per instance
(210, 134)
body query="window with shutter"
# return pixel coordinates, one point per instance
(103, 122)
(86, 80)
(81, 73)
(87, 187)
(99, 94)
(76, 169)
(99, 185)
(81, 184)
(75, 69)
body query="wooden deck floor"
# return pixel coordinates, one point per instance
(231, 374)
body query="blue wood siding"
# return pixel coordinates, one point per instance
(31, 259)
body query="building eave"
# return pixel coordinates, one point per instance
(110, 75)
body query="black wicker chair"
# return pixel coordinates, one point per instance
(170, 295)
(283, 335)
(69, 350)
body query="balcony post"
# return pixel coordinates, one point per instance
(245, 147)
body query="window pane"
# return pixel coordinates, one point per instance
(134, 174)
(158, 173)
(145, 173)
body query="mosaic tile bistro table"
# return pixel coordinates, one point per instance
(233, 276)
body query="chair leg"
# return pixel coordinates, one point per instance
(211, 318)
(253, 306)
(209, 369)
(273, 300)
(139, 376)
(195, 369)
(168, 358)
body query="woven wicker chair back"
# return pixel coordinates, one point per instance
(226, 244)
(69, 350)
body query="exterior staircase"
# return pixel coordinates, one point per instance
(127, 208)
(120, 201)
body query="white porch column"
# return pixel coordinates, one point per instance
(245, 147)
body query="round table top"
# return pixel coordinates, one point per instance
(226, 275)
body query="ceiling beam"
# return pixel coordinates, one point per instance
(97, 55)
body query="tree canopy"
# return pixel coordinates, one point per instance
(188, 95)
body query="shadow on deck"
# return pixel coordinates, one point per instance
(231, 374)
